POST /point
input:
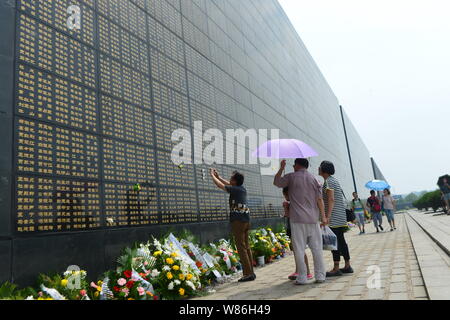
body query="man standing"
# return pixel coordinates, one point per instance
(306, 204)
(375, 209)
(239, 218)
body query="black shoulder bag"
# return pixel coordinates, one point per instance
(350, 214)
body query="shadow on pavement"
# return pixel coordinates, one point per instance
(280, 291)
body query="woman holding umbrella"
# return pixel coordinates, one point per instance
(374, 202)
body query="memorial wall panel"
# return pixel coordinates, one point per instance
(97, 104)
(91, 93)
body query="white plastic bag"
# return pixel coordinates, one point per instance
(329, 239)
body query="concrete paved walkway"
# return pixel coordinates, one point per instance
(431, 239)
(436, 225)
(391, 252)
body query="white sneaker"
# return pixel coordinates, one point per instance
(320, 281)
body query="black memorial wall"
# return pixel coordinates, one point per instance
(89, 113)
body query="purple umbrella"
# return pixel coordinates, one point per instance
(284, 149)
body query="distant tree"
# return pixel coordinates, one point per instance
(429, 200)
(411, 197)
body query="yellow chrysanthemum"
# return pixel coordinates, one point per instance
(176, 268)
(100, 283)
(174, 254)
(170, 261)
(169, 275)
(97, 293)
(157, 253)
(181, 291)
(64, 282)
(189, 277)
(181, 277)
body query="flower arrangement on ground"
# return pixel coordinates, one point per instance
(160, 269)
(71, 285)
(260, 244)
(196, 253)
(226, 257)
(177, 278)
(133, 277)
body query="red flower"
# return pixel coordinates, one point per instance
(130, 284)
(199, 264)
(116, 289)
(155, 297)
(127, 273)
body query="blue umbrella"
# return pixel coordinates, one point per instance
(377, 185)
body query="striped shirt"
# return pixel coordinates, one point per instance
(338, 214)
(357, 206)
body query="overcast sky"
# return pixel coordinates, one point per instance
(388, 62)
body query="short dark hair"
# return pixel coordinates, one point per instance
(372, 191)
(302, 162)
(388, 191)
(285, 190)
(327, 167)
(238, 177)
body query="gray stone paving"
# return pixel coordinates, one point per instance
(436, 225)
(434, 263)
(391, 252)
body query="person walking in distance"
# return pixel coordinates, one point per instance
(333, 197)
(305, 208)
(389, 208)
(373, 202)
(359, 211)
(239, 218)
(445, 189)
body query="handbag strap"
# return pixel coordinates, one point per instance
(342, 191)
(344, 195)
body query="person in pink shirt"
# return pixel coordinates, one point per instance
(305, 208)
(286, 204)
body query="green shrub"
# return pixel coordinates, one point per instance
(429, 200)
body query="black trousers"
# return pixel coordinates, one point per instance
(342, 245)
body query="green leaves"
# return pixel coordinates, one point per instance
(162, 272)
(429, 200)
(9, 291)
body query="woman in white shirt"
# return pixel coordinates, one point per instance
(389, 208)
